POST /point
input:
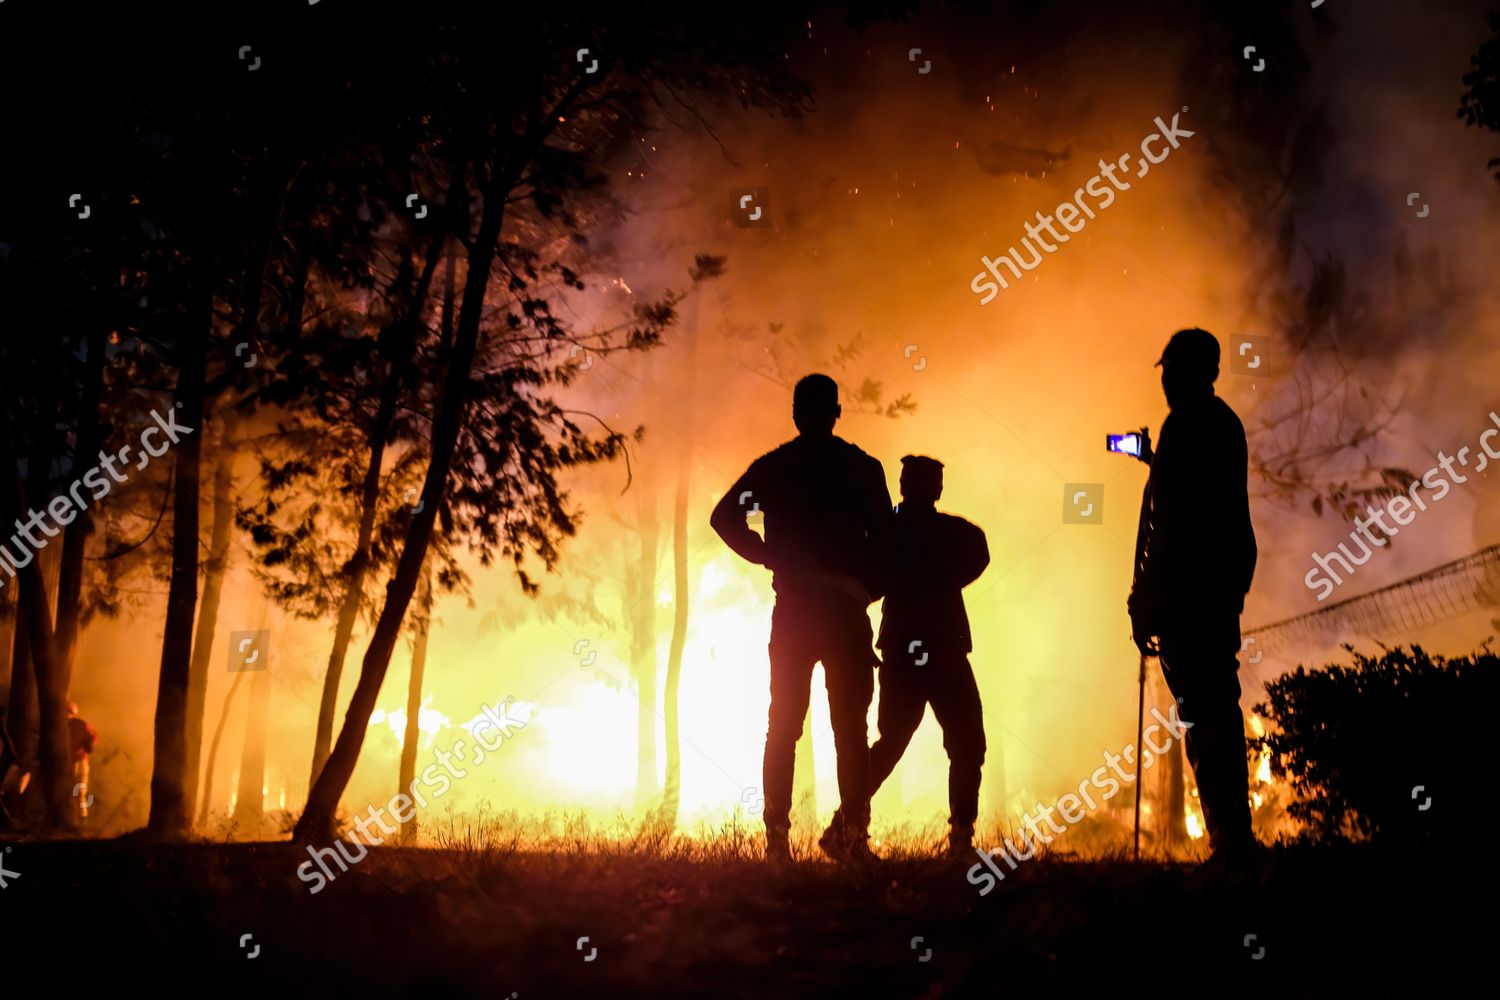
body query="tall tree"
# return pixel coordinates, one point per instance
(640, 612)
(206, 799)
(511, 120)
(215, 568)
(412, 733)
(249, 798)
(54, 750)
(169, 806)
(706, 267)
(396, 358)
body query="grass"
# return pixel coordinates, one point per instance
(497, 907)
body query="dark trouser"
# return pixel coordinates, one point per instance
(1199, 662)
(947, 684)
(803, 632)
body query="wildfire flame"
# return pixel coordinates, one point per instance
(430, 721)
(1194, 815)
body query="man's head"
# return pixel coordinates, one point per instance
(921, 481)
(815, 405)
(1189, 365)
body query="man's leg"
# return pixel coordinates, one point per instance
(849, 669)
(791, 681)
(1200, 666)
(850, 688)
(955, 703)
(902, 703)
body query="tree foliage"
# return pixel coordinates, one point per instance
(1480, 104)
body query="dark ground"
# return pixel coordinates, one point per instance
(118, 918)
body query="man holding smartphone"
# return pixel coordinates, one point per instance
(1195, 558)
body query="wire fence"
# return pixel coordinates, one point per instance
(1447, 591)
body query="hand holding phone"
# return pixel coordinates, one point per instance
(1136, 444)
(1124, 444)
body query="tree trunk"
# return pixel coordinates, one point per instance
(76, 534)
(25, 704)
(672, 786)
(53, 750)
(7, 632)
(413, 732)
(20, 712)
(10, 638)
(169, 816)
(641, 577)
(208, 611)
(213, 751)
(249, 811)
(172, 790)
(323, 799)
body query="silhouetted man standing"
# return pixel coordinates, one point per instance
(1195, 557)
(925, 644)
(826, 508)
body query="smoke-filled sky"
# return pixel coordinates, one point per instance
(882, 199)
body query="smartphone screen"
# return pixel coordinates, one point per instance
(1125, 444)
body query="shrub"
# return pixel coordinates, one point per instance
(1364, 746)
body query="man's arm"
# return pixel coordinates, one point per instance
(1241, 469)
(881, 509)
(1252, 552)
(973, 555)
(877, 516)
(1163, 484)
(1145, 594)
(728, 519)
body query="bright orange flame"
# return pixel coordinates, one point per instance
(1263, 769)
(1193, 816)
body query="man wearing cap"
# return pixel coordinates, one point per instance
(1195, 557)
(826, 508)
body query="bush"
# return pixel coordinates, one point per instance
(1357, 741)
